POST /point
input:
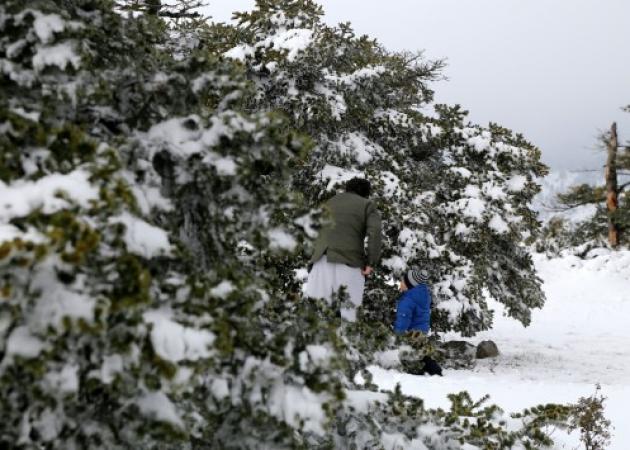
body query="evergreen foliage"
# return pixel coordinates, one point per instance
(149, 223)
(558, 234)
(454, 196)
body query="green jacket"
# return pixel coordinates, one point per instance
(343, 241)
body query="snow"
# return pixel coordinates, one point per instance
(577, 340)
(297, 405)
(10, 232)
(293, 41)
(222, 290)
(240, 52)
(59, 55)
(112, 365)
(498, 224)
(470, 207)
(142, 238)
(46, 25)
(280, 239)
(462, 172)
(23, 343)
(391, 184)
(30, 115)
(183, 140)
(157, 405)
(58, 302)
(174, 342)
(545, 203)
(220, 388)
(353, 78)
(23, 197)
(358, 147)
(225, 166)
(516, 183)
(66, 381)
(336, 175)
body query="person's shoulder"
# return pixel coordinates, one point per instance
(350, 199)
(419, 291)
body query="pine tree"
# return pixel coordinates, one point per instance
(118, 144)
(145, 224)
(455, 196)
(594, 231)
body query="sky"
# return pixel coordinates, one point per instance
(557, 71)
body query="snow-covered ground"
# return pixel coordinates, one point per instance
(579, 339)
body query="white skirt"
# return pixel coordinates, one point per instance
(326, 278)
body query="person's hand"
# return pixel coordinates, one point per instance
(366, 271)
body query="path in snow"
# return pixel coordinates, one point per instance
(579, 339)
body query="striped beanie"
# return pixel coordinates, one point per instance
(416, 276)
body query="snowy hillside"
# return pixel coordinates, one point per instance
(580, 338)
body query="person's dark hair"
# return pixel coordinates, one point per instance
(359, 186)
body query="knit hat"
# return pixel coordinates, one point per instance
(416, 276)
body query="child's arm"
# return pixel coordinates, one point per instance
(403, 316)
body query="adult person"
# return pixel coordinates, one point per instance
(339, 258)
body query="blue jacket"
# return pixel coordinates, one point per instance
(414, 310)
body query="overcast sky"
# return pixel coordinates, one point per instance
(557, 71)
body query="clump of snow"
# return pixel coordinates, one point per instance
(58, 302)
(336, 175)
(356, 145)
(10, 232)
(516, 183)
(336, 101)
(280, 239)
(112, 365)
(351, 80)
(225, 165)
(157, 406)
(498, 224)
(222, 290)
(66, 381)
(46, 25)
(59, 55)
(174, 342)
(391, 184)
(388, 358)
(292, 41)
(297, 405)
(22, 343)
(30, 115)
(362, 400)
(184, 140)
(220, 388)
(23, 197)
(240, 52)
(462, 172)
(142, 238)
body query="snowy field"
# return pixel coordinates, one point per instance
(579, 339)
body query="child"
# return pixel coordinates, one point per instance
(413, 313)
(414, 305)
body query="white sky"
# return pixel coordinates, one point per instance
(557, 71)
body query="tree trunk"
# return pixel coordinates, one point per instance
(611, 186)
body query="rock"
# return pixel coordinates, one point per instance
(487, 349)
(457, 354)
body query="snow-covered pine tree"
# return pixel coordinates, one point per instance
(118, 141)
(455, 196)
(593, 231)
(141, 212)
